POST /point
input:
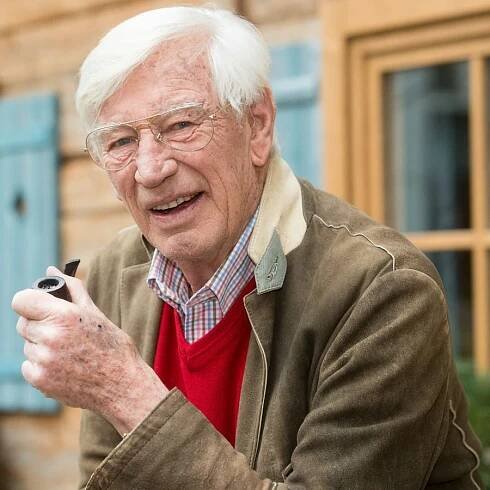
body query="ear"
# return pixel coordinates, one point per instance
(262, 116)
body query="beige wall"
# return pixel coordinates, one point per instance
(42, 44)
(283, 21)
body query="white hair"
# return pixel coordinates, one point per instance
(239, 60)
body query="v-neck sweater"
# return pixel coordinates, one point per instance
(209, 372)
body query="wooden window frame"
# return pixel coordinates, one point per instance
(363, 42)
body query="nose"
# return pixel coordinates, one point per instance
(154, 161)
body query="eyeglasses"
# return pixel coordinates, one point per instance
(186, 128)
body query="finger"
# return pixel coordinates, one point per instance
(36, 353)
(32, 331)
(29, 350)
(22, 328)
(34, 304)
(77, 290)
(32, 372)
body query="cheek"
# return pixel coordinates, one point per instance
(122, 184)
(229, 185)
(239, 195)
(116, 191)
(124, 188)
(234, 168)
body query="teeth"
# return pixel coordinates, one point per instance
(173, 204)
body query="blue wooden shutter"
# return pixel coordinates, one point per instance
(28, 227)
(295, 82)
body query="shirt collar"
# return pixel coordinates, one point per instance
(169, 283)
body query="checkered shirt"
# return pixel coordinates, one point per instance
(203, 310)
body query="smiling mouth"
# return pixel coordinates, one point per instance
(179, 204)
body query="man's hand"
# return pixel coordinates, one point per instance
(76, 355)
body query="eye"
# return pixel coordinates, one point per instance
(181, 125)
(119, 143)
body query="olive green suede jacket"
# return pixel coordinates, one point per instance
(349, 381)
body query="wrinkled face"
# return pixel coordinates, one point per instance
(192, 206)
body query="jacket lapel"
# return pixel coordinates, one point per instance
(260, 310)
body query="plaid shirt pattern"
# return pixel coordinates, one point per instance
(203, 310)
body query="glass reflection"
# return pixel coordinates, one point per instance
(427, 148)
(455, 271)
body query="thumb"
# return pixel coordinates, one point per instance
(78, 293)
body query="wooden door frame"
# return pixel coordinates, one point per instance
(363, 41)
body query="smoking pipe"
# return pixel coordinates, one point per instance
(56, 285)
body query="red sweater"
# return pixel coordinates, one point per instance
(209, 372)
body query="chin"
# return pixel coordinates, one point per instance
(180, 249)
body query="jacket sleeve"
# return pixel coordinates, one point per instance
(97, 440)
(380, 414)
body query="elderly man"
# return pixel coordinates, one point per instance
(250, 331)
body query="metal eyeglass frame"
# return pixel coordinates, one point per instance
(156, 136)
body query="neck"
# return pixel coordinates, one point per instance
(200, 271)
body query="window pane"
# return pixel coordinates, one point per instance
(427, 148)
(455, 271)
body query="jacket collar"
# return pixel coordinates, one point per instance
(280, 226)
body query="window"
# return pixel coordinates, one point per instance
(407, 103)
